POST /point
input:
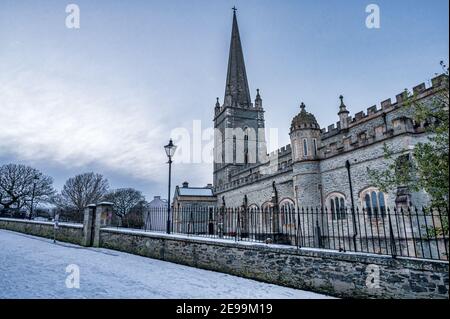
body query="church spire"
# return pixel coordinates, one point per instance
(237, 85)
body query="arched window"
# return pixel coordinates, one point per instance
(287, 210)
(374, 203)
(315, 147)
(305, 147)
(223, 147)
(246, 146)
(266, 210)
(336, 205)
(234, 149)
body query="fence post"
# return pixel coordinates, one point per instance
(391, 236)
(238, 224)
(221, 221)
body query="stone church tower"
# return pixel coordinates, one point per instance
(239, 139)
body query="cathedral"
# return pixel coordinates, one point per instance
(321, 167)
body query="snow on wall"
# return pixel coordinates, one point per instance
(334, 273)
(350, 275)
(67, 232)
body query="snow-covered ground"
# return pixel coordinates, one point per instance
(34, 267)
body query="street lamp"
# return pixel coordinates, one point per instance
(170, 150)
(35, 179)
(355, 231)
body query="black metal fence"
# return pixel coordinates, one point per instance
(408, 232)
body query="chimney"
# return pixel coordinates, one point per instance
(209, 186)
(185, 184)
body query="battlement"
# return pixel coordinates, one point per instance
(418, 92)
(374, 133)
(281, 151)
(378, 122)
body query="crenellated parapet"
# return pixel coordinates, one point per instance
(378, 122)
(278, 162)
(419, 91)
(282, 151)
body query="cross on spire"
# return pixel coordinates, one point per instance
(234, 9)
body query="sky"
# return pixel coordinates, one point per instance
(106, 97)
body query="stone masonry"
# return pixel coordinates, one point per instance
(312, 169)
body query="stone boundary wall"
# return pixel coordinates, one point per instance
(67, 232)
(339, 274)
(346, 275)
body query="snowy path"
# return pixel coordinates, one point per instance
(34, 267)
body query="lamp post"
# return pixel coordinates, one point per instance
(35, 179)
(170, 150)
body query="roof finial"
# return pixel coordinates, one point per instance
(302, 106)
(234, 9)
(342, 107)
(217, 102)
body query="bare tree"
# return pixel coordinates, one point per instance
(82, 190)
(124, 200)
(21, 185)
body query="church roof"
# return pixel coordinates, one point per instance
(237, 84)
(185, 190)
(304, 120)
(195, 191)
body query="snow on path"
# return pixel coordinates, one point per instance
(34, 267)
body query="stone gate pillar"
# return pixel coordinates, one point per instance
(103, 216)
(88, 223)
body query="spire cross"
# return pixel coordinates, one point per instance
(234, 9)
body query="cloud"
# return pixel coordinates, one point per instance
(47, 117)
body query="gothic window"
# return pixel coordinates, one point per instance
(266, 210)
(234, 149)
(287, 210)
(315, 147)
(374, 203)
(305, 147)
(336, 206)
(223, 148)
(249, 153)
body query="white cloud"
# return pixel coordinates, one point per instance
(46, 117)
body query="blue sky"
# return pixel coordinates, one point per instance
(106, 97)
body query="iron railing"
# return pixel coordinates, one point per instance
(407, 232)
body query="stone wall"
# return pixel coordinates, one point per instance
(67, 232)
(345, 275)
(260, 191)
(334, 176)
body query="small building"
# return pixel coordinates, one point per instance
(193, 207)
(155, 217)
